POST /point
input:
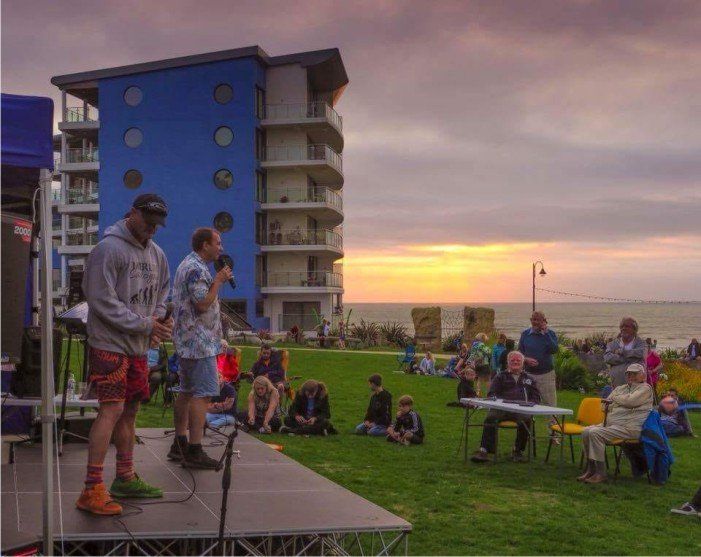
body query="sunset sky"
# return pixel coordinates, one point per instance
(480, 136)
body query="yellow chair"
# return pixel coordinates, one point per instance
(510, 424)
(588, 413)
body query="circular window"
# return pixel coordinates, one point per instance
(223, 221)
(133, 137)
(133, 96)
(223, 179)
(132, 179)
(223, 93)
(223, 136)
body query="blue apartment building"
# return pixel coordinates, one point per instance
(238, 140)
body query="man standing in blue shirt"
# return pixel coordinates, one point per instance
(538, 344)
(197, 334)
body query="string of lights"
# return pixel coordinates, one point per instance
(610, 299)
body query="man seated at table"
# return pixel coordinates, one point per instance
(515, 384)
(269, 364)
(627, 408)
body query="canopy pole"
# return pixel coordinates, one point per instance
(48, 410)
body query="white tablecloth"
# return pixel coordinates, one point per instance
(537, 410)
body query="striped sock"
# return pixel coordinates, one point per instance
(94, 475)
(125, 466)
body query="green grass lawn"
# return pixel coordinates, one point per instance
(455, 508)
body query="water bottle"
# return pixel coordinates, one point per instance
(70, 391)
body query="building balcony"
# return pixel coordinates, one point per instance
(317, 119)
(86, 161)
(320, 202)
(81, 203)
(303, 241)
(318, 160)
(303, 282)
(78, 241)
(80, 122)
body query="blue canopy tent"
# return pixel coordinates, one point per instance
(27, 164)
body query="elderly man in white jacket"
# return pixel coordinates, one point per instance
(628, 407)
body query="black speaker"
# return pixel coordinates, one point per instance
(26, 381)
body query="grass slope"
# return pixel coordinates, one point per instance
(470, 509)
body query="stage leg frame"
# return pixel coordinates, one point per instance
(363, 542)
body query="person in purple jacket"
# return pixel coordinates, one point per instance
(269, 364)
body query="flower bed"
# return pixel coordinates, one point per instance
(682, 377)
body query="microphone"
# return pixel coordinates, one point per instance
(169, 312)
(222, 261)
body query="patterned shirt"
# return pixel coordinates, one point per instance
(195, 334)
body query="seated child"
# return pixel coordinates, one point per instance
(673, 419)
(379, 414)
(310, 412)
(407, 428)
(263, 414)
(427, 365)
(221, 410)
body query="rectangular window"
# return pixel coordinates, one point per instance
(260, 144)
(260, 103)
(261, 227)
(260, 307)
(261, 187)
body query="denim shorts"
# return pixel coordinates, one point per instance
(199, 377)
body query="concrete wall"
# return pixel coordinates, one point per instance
(286, 84)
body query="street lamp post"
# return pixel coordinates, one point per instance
(542, 273)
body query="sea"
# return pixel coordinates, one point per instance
(673, 325)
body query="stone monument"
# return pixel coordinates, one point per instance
(477, 320)
(427, 327)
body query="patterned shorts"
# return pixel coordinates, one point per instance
(116, 377)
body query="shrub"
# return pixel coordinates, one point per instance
(685, 379)
(395, 333)
(570, 371)
(450, 343)
(367, 332)
(672, 353)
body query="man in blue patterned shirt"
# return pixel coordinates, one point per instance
(197, 334)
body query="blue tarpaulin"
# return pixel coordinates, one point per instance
(27, 128)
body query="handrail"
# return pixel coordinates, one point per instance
(78, 196)
(302, 237)
(298, 111)
(307, 279)
(303, 194)
(82, 155)
(311, 152)
(78, 114)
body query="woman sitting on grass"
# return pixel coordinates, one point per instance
(428, 365)
(263, 414)
(310, 412)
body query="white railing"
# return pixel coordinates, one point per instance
(79, 196)
(306, 279)
(302, 153)
(79, 114)
(82, 155)
(304, 194)
(81, 239)
(301, 111)
(302, 237)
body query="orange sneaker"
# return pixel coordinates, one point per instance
(97, 500)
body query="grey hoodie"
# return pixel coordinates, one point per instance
(125, 284)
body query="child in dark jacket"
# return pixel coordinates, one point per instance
(379, 414)
(310, 412)
(407, 428)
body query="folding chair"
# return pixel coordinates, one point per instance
(588, 413)
(405, 358)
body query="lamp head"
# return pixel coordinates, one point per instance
(542, 272)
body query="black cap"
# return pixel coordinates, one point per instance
(153, 207)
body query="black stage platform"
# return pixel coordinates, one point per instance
(276, 506)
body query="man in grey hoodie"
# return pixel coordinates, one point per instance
(126, 285)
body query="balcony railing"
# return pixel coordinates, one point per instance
(79, 114)
(80, 196)
(306, 322)
(304, 194)
(300, 111)
(303, 153)
(81, 239)
(304, 279)
(302, 237)
(82, 155)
